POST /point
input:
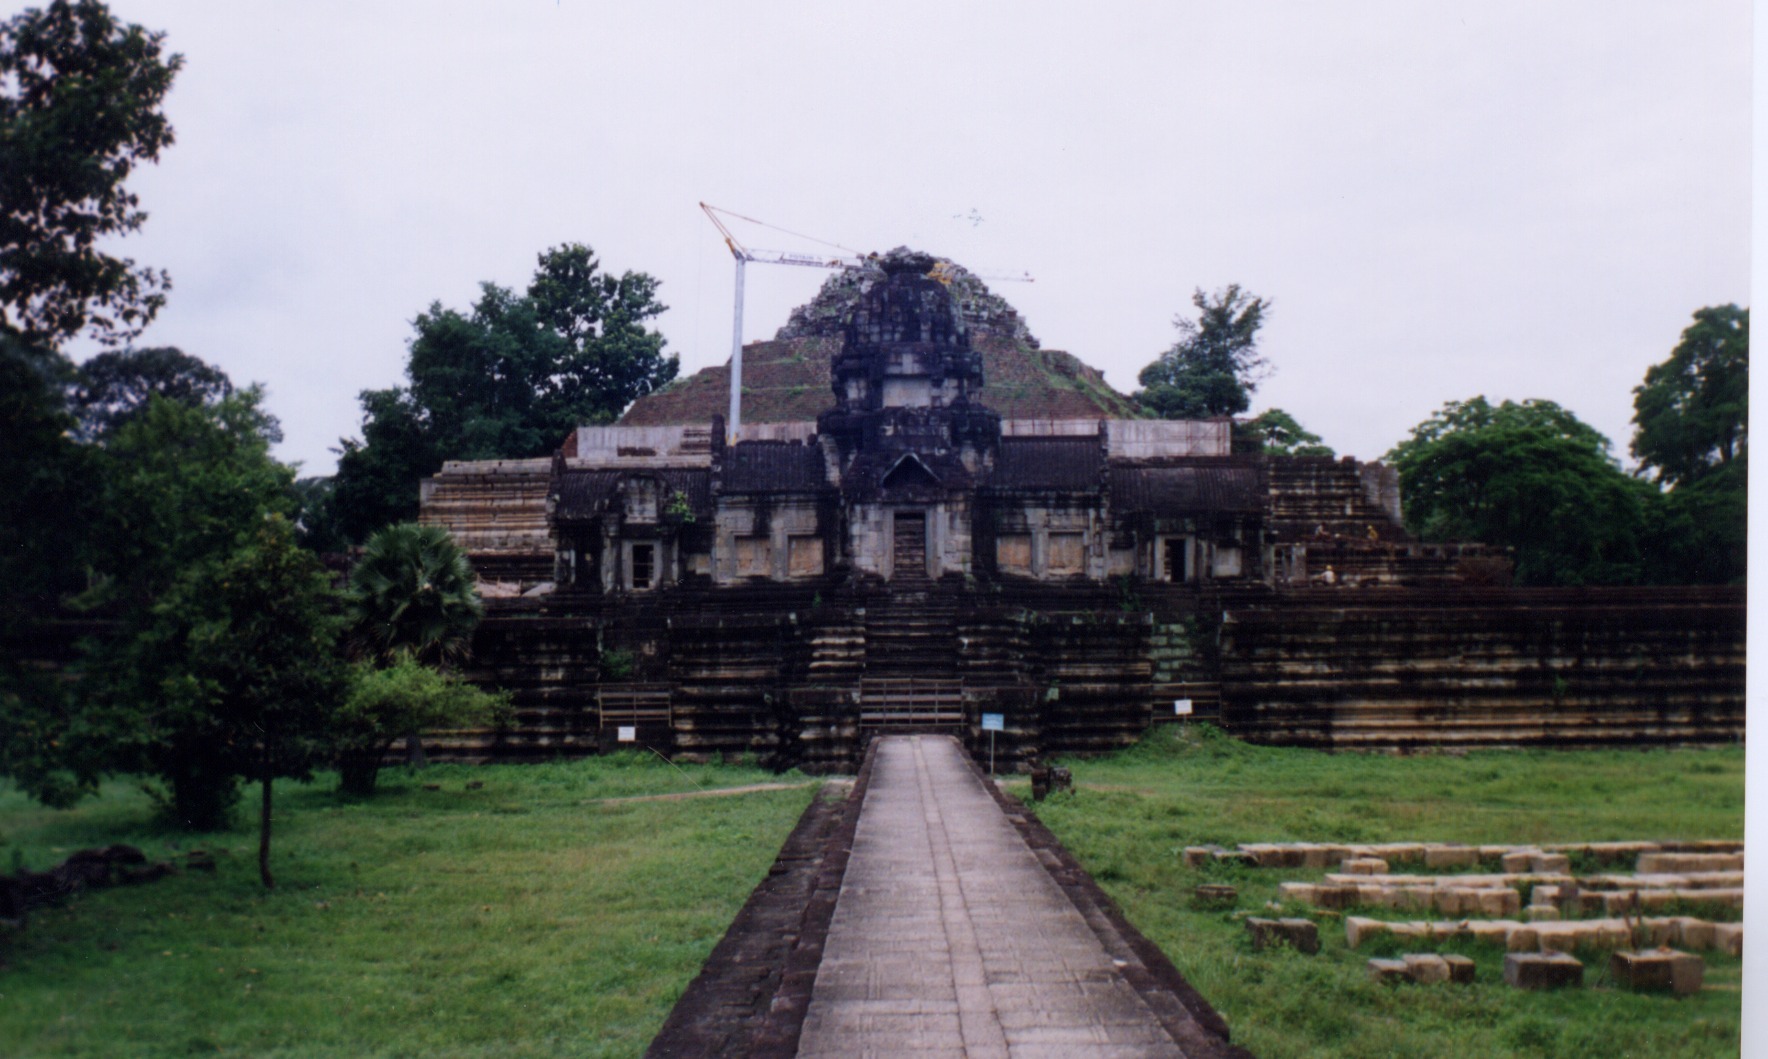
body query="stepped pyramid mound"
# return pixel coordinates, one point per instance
(787, 379)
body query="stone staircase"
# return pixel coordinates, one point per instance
(911, 675)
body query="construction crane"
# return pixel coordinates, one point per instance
(847, 258)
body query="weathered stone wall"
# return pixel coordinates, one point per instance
(1485, 667)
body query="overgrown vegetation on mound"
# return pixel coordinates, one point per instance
(524, 917)
(1134, 812)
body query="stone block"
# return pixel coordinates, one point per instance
(1694, 933)
(1492, 931)
(1426, 968)
(1545, 894)
(1337, 898)
(1542, 970)
(1300, 934)
(1297, 891)
(1357, 928)
(1541, 914)
(1214, 894)
(1500, 904)
(1519, 861)
(1318, 856)
(1550, 864)
(1389, 972)
(1682, 863)
(1522, 939)
(1460, 968)
(1450, 857)
(1728, 938)
(1365, 866)
(1658, 970)
(1198, 856)
(1416, 898)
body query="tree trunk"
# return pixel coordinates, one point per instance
(264, 829)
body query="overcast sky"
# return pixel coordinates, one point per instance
(1441, 200)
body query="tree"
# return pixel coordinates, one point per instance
(509, 379)
(232, 674)
(385, 704)
(80, 97)
(1691, 420)
(115, 385)
(1214, 367)
(413, 595)
(1692, 412)
(1275, 432)
(50, 485)
(1529, 477)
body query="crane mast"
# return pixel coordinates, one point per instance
(848, 258)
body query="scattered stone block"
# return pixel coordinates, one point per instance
(1460, 968)
(1318, 856)
(1542, 970)
(1499, 904)
(1336, 898)
(1198, 856)
(1541, 914)
(1519, 861)
(1426, 968)
(1358, 928)
(1694, 933)
(1300, 934)
(1389, 972)
(1522, 939)
(1728, 938)
(1658, 970)
(1550, 864)
(1450, 857)
(1682, 863)
(1215, 894)
(1365, 866)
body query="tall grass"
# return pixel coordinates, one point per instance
(1134, 812)
(526, 917)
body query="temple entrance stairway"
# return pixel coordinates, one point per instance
(911, 672)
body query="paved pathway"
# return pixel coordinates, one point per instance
(949, 937)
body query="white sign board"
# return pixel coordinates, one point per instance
(627, 734)
(994, 722)
(1182, 707)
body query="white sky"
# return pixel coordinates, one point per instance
(1516, 199)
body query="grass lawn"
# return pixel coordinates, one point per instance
(1135, 811)
(523, 918)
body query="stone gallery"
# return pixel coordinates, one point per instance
(927, 520)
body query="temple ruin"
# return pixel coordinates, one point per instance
(927, 519)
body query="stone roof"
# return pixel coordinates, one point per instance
(584, 494)
(1065, 464)
(1215, 485)
(772, 467)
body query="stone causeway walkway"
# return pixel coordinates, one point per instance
(951, 936)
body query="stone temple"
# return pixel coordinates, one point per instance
(927, 519)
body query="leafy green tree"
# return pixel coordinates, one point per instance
(80, 96)
(509, 379)
(233, 673)
(413, 595)
(1692, 413)
(1529, 477)
(1691, 434)
(50, 485)
(1214, 367)
(115, 385)
(386, 704)
(1275, 432)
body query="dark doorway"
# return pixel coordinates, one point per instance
(1178, 554)
(909, 553)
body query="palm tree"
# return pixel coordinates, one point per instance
(413, 595)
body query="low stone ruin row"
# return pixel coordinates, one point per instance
(1649, 858)
(1685, 932)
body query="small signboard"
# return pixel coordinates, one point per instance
(628, 733)
(994, 722)
(1182, 707)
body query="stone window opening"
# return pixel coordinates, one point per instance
(1175, 559)
(644, 565)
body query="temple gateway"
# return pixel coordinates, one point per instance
(927, 519)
